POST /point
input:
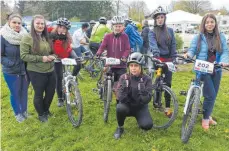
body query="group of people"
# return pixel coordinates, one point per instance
(34, 57)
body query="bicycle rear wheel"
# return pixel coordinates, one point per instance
(163, 117)
(107, 101)
(189, 118)
(74, 104)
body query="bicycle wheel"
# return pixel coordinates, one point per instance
(107, 101)
(95, 67)
(160, 119)
(189, 118)
(74, 104)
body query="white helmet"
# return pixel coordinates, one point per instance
(117, 20)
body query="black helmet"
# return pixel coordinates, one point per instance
(64, 22)
(136, 57)
(158, 11)
(102, 20)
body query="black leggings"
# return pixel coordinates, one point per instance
(59, 76)
(43, 83)
(141, 113)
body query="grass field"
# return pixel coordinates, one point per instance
(94, 135)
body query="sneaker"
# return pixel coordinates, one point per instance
(118, 133)
(205, 124)
(48, 113)
(20, 118)
(168, 112)
(211, 121)
(43, 118)
(26, 115)
(60, 103)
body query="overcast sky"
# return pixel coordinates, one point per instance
(152, 4)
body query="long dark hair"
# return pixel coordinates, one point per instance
(35, 36)
(157, 30)
(217, 41)
(65, 42)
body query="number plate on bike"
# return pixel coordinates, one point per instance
(171, 66)
(112, 61)
(68, 61)
(204, 66)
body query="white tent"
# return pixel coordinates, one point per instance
(181, 17)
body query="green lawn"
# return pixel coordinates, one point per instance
(94, 135)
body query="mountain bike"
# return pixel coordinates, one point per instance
(162, 94)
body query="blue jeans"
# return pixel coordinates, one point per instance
(18, 86)
(79, 50)
(210, 90)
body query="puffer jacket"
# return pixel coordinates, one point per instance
(203, 54)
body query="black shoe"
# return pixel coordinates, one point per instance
(60, 103)
(43, 118)
(118, 133)
(48, 113)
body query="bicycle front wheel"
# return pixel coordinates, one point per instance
(190, 116)
(74, 104)
(164, 108)
(107, 101)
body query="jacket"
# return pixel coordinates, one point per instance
(203, 54)
(35, 59)
(117, 47)
(10, 58)
(131, 93)
(134, 37)
(158, 51)
(98, 32)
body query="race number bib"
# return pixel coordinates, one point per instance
(68, 61)
(204, 66)
(112, 61)
(171, 66)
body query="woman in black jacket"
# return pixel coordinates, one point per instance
(134, 92)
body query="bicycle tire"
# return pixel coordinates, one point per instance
(74, 107)
(170, 121)
(193, 101)
(107, 101)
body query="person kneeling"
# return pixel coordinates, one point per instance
(134, 92)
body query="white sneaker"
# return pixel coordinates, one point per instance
(19, 118)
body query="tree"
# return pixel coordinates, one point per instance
(194, 6)
(223, 11)
(4, 11)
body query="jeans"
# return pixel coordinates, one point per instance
(94, 47)
(44, 88)
(141, 114)
(18, 86)
(210, 90)
(79, 50)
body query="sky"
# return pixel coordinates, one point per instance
(153, 4)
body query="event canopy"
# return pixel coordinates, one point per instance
(181, 17)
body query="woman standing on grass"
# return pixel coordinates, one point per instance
(13, 67)
(162, 43)
(36, 51)
(61, 45)
(211, 46)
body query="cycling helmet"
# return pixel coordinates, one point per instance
(158, 11)
(136, 57)
(102, 20)
(117, 20)
(92, 22)
(64, 22)
(129, 20)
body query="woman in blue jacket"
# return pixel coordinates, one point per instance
(162, 43)
(13, 67)
(211, 46)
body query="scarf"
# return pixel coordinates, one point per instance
(12, 36)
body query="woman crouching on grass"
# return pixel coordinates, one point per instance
(134, 92)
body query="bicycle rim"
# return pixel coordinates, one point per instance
(163, 117)
(74, 104)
